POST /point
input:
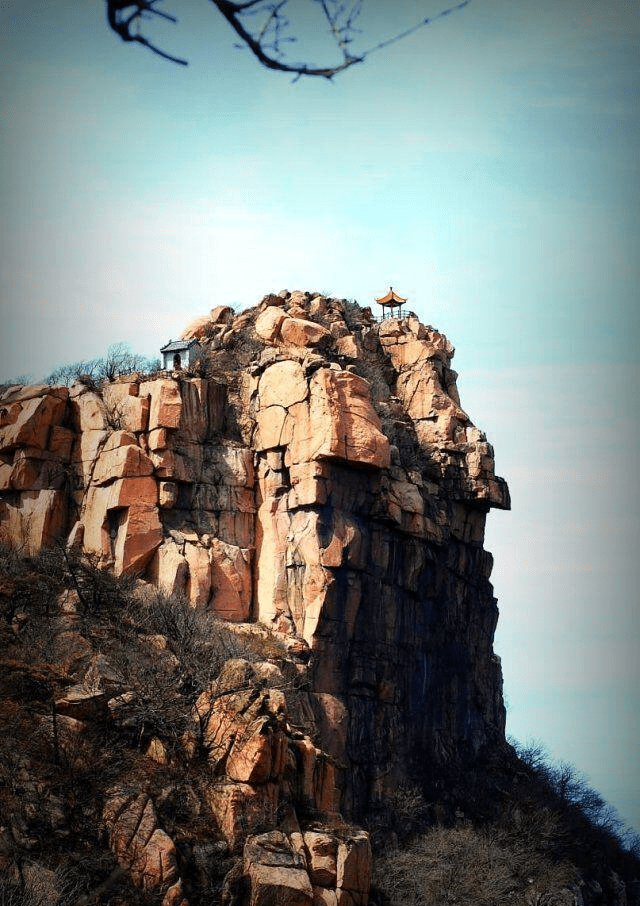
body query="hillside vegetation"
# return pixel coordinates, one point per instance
(98, 682)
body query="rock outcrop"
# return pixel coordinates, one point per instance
(315, 475)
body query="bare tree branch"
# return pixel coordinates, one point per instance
(230, 12)
(122, 25)
(266, 41)
(414, 28)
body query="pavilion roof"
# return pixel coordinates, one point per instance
(178, 345)
(391, 298)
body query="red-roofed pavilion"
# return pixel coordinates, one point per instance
(390, 301)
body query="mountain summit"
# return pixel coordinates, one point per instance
(312, 476)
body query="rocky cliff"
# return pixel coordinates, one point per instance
(315, 475)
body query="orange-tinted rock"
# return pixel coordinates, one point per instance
(33, 421)
(143, 848)
(157, 751)
(322, 896)
(276, 871)
(129, 536)
(6, 469)
(337, 422)
(89, 415)
(231, 581)
(283, 384)
(29, 475)
(257, 753)
(221, 314)
(199, 581)
(274, 428)
(196, 328)
(9, 412)
(33, 520)
(322, 852)
(121, 462)
(238, 806)
(341, 423)
(165, 405)
(172, 465)
(15, 394)
(82, 703)
(158, 439)
(317, 778)
(269, 322)
(348, 347)
(89, 409)
(201, 412)
(168, 494)
(124, 407)
(345, 514)
(139, 534)
(299, 332)
(335, 716)
(308, 484)
(218, 729)
(61, 442)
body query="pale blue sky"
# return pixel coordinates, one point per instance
(487, 167)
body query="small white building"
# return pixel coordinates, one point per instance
(179, 354)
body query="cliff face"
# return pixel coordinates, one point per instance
(319, 477)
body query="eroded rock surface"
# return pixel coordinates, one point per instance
(319, 478)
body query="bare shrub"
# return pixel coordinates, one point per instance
(119, 360)
(469, 867)
(40, 886)
(85, 371)
(572, 788)
(200, 641)
(115, 416)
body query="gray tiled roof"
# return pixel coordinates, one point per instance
(178, 345)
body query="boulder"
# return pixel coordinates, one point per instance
(196, 328)
(322, 852)
(276, 872)
(238, 806)
(269, 322)
(348, 347)
(258, 753)
(299, 332)
(221, 314)
(341, 422)
(143, 848)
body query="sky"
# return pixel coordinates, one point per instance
(486, 166)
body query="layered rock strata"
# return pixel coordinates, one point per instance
(317, 475)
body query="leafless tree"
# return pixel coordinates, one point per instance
(265, 28)
(118, 360)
